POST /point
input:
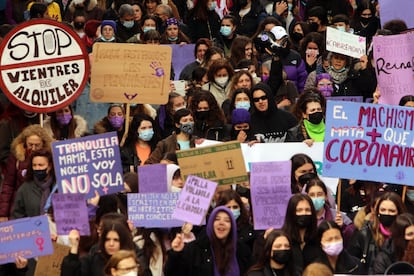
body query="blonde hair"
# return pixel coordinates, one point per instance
(317, 269)
(18, 145)
(116, 258)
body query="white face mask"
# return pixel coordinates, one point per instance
(222, 81)
(175, 189)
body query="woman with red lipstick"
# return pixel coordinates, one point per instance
(217, 253)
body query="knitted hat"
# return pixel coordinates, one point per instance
(108, 23)
(240, 116)
(91, 26)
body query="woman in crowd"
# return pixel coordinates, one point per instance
(182, 138)
(394, 249)
(366, 242)
(108, 30)
(310, 110)
(365, 22)
(209, 118)
(219, 75)
(140, 143)
(203, 21)
(123, 262)
(303, 169)
(227, 34)
(149, 22)
(173, 34)
(113, 238)
(232, 200)
(34, 197)
(240, 121)
(114, 121)
(32, 138)
(212, 54)
(239, 98)
(311, 50)
(301, 223)
(216, 253)
(64, 124)
(242, 48)
(276, 257)
(165, 116)
(331, 251)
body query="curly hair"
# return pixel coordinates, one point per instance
(218, 65)
(216, 113)
(18, 145)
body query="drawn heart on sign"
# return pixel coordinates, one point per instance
(130, 96)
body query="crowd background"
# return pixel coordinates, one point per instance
(261, 74)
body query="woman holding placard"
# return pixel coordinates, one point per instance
(217, 253)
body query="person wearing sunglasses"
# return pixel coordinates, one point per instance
(268, 123)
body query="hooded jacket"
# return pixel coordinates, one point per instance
(270, 125)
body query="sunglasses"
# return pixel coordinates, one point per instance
(263, 98)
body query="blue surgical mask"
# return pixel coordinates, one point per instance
(225, 30)
(290, 6)
(128, 24)
(107, 40)
(243, 104)
(146, 29)
(146, 134)
(236, 213)
(318, 202)
(410, 194)
(173, 38)
(212, 6)
(340, 28)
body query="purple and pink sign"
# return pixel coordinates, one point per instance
(88, 164)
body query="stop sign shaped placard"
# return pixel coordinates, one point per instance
(44, 65)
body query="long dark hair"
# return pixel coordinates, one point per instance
(290, 225)
(216, 115)
(265, 254)
(57, 128)
(133, 135)
(401, 223)
(125, 238)
(299, 160)
(226, 196)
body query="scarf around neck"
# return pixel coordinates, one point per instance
(316, 132)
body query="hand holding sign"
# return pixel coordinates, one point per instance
(178, 243)
(74, 238)
(21, 262)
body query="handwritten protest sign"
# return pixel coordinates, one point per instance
(153, 209)
(397, 9)
(88, 164)
(194, 200)
(394, 66)
(266, 152)
(369, 142)
(130, 73)
(270, 193)
(222, 163)
(345, 43)
(26, 237)
(181, 56)
(44, 65)
(152, 178)
(51, 264)
(70, 212)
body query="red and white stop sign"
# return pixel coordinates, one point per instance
(43, 65)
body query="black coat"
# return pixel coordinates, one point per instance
(384, 258)
(197, 259)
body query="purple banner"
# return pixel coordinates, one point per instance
(152, 178)
(153, 209)
(88, 164)
(26, 237)
(194, 200)
(394, 65)
(358, 99)
(181, 56)
(70, 212)
(397, 9)
(369, 142)
(270, 193)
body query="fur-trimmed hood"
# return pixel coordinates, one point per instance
(80, 130)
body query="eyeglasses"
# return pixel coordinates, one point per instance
(263, 98)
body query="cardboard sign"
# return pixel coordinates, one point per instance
(369, 142)
(222, 163)
(44, 65)
(70, 212)
(345, 43)
(152, 178)
(194, 200)
(399, 9)
(181, 56)
(153, 209)
(130, 73)
(270, 193)
(394, 66)
(26, 237)
(266, 152)
(51, 264)
(88, 164)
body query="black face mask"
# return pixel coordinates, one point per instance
(316, 117)
(386, 220)
(305, 178)
(314, 26)
(202, 115)
(303, 221)
(281, 256)
(79, 25)
(296, 36)
(365, 20)
(40, 174)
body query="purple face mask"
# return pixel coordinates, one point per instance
(64, 119)
(116, 121)
(265, 78)
(326, 90)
